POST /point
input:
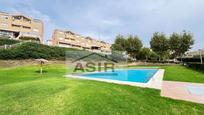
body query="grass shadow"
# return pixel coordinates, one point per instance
(43, 71)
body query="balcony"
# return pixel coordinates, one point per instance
(17, 22)
(28, 34)
(20, 20)
(26, 23)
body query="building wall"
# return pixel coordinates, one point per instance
(21, 26)
(73, 40)
(194, 53)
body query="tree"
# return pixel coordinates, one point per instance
(144, 53)
(186, 42)
(159, 44)
(180, 43)
(153, 56)
(119, 44)
(174, 44)
(133, 45)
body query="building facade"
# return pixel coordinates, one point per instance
(194, 53)
(69, 39)
(21, 27)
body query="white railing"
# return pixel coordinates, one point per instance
(195, 53)
(6, 46)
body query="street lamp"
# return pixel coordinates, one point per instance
(201, 60)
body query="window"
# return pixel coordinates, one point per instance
(26, 27)
(14, 25)
(16, 17)
(26, 20)
(72, 39)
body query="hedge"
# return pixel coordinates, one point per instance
(7, 41)
(194, 59)
(197, 66)
(32, 51)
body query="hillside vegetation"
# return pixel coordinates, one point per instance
(31, 50)
(7, 41)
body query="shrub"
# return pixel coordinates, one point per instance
(197, 66)
(32, 51)
(7, 41)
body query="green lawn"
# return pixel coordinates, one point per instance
(24, 91)
(181, 73)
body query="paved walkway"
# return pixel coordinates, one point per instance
(193, 92)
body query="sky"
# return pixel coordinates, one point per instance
(103, 20)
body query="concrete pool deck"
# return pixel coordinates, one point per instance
(193, 92)
(155, 82)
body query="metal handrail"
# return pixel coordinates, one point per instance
(6, 46)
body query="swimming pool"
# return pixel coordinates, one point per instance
(130, 75)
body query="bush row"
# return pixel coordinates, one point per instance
(32, 51)
(195, 59)
(197, 66)
(7, 41)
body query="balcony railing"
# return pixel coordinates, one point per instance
(28, 34)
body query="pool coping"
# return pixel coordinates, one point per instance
(155, 82)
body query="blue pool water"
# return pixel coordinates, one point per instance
(131, 75)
